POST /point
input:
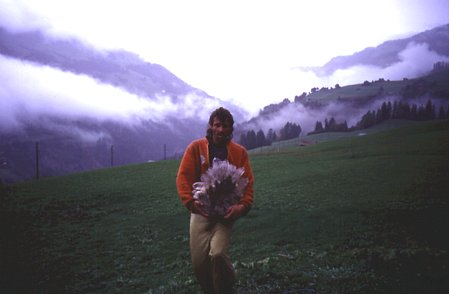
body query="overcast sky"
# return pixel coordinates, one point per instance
(239, 50)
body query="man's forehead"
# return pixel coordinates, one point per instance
(223, 122)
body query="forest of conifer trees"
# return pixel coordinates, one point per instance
(252, 140)
(388, 110)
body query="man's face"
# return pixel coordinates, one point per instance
(220, 131)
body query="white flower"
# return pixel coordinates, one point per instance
(221, 186)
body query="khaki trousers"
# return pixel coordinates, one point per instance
(209, 243)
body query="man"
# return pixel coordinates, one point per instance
(210, 236)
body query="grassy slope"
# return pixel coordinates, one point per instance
(331, 136)
(356, 215)
(439, 82)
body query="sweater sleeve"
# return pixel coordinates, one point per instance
(188, 173)
(247, 199)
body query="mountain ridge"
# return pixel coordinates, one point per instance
(387, 53)
(117, 67)
(80, 143)
(76, 142)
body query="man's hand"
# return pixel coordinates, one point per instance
(198, 208)
(234, 212)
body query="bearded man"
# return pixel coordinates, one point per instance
(210, 234)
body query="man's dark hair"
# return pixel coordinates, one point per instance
(223, 115)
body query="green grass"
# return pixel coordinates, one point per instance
(436, 83)
(355, 215)
(358, 92)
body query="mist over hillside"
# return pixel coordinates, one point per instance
(119, 68)
(409, 57)
(348, 104)
(78, 108)
(395, 52)
(79, 103)
(351, 91)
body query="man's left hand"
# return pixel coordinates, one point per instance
(234, 212)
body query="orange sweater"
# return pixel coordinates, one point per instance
(195, 162)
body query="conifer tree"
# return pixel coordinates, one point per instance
(318, 127)
(271, 136)
(332, 125)
(430, 110)
(251, 139)
(260, 139)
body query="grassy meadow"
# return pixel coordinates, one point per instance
(435, 83)
(363, 214)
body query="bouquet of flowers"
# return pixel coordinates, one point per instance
(221, 187)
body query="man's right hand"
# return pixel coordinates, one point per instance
(198, 208)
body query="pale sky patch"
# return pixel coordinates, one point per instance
(244, 51)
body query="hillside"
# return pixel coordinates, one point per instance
(350, 103)
(177, 112)
(357, 215)
(120, 68)
(79, 136)
(435, 84)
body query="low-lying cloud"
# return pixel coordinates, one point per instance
(414, 61)
(307, 117)
(31, 91)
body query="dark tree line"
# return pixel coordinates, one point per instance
(388, 110)
(330, 126)
(402, 110)
(252, 140)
